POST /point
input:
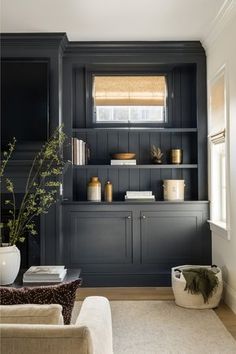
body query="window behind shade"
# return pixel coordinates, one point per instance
(130, 99)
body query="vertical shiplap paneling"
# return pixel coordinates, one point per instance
(134, 144)
(144, 148)
(112, 143)
(123, 182)
(165, 141)
(187, 148)
(101, 149)
(144, 179)
(92, 144)
(123, 142)
(187, 101)
(176, 106)
(134, 180)
(190, 177)
(155, 183)
(81, 184)
(78, 98)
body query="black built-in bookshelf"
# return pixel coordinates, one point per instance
(119, 243)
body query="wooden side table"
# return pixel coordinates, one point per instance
(71, 275)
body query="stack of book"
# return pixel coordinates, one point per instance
(45, 274)
(142, 196)
(80, 152)
(123, 162)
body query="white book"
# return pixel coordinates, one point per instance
(123, 161)
(127, 163)
(140, 200)
(135, 193)
(46, 277)
(140, 197)
(52, 271)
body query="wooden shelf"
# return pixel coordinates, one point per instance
(169, 166)
(138, 129)
(122, 202)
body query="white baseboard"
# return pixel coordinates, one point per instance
(230, 297)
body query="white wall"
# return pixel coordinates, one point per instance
(219, 52)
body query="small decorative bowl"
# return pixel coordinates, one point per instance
(124, 156)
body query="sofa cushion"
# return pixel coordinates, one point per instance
(31, 314)
(62, 294)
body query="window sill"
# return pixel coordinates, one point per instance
(220, 229)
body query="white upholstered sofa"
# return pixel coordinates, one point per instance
(24, 329)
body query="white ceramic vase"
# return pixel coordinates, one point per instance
(9, 264)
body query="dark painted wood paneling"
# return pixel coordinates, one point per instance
(171, 238)
(100, 238)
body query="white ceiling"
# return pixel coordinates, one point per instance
(94, 20)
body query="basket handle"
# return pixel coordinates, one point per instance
(178, 270)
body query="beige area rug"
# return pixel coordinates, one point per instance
(161, 327)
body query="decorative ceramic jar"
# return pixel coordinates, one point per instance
(174, 189)
(94, 190)
(9, 264)
(108, 192)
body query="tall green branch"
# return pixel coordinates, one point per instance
(6, 156)
(41, 188)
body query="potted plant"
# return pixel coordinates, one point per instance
(41, 192)
(156, 155)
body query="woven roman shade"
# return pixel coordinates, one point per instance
(130, 90)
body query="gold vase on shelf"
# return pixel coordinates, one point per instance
(176, 156)
(108, 192)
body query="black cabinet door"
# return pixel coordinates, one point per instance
(170, 238)
(98, 238)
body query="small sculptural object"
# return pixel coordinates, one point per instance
(156, 155)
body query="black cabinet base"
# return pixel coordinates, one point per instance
(133, 245)
(112, 280)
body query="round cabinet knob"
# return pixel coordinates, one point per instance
(143, 217)
(129, 217)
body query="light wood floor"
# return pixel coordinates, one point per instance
(225, 314)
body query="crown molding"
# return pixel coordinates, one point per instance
(129, 47)
(223, 17)
(56, 40)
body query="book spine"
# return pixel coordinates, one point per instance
(75, 154)
(78, 152)
(83, 152)
(72, 150)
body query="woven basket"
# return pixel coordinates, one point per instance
(185, 299)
